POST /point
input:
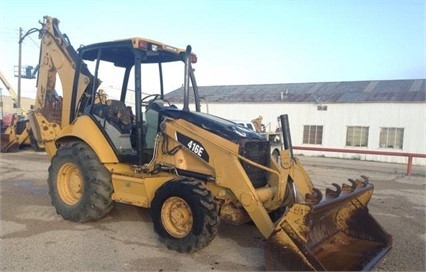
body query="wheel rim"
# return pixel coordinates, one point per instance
(70, 183)
(176, 217)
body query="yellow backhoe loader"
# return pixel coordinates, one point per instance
(14, 133)
(193, 170)
(15, 129)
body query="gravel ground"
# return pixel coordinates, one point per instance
(33, 237)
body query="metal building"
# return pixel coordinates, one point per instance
(388, 115)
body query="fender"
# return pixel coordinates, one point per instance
(85, 129)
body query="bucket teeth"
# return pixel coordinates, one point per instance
(315, 197)
(330, 193)
(349, 188)
(360, 183)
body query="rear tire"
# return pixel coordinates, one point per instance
(34, 143)
(79, 185)
(185, 215)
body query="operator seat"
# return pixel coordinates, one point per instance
(116, 113)
(119, 116)
(152, 116)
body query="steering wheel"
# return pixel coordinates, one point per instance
(148, 100)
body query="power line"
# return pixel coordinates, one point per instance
(8, 36)
(7, 31)
(34, 42)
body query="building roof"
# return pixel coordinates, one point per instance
(400, 91)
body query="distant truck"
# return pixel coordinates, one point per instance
(246, 124)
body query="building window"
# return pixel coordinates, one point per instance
(357, 136)
(322, 107)
(391, 138)
(312, 135)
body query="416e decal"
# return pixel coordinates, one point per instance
(196, 147)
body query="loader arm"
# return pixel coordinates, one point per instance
(9, 88)
(333, 231)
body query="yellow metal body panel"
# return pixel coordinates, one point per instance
(44, 132)
(294, 169)
(85, 129)
(136, 188)
(223, 165)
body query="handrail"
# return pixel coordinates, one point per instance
(368, 152)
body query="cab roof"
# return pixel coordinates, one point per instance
(121, 52)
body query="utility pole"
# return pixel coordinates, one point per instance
(19, 67)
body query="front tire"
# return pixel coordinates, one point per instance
(79, 185)
(288, 202)
(185, 215)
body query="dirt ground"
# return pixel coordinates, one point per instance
(33, 237)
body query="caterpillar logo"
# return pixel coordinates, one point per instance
(196, 147)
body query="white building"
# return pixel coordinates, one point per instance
(385, 115)
(7, 105)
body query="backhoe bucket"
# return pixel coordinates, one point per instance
(335, 234)
(8, 143)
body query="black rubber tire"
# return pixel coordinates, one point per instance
(95, 201)
(205, 214)
(276, 155)
(288, 202)
(34, 143)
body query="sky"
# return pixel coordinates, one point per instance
(240, 41)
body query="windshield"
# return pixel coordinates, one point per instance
(112, 79)
(130, 70)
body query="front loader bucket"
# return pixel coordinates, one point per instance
(335, 234)
(8, 143)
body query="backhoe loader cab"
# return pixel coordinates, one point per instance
(130, 120)
(131, 125)
(193, 170)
